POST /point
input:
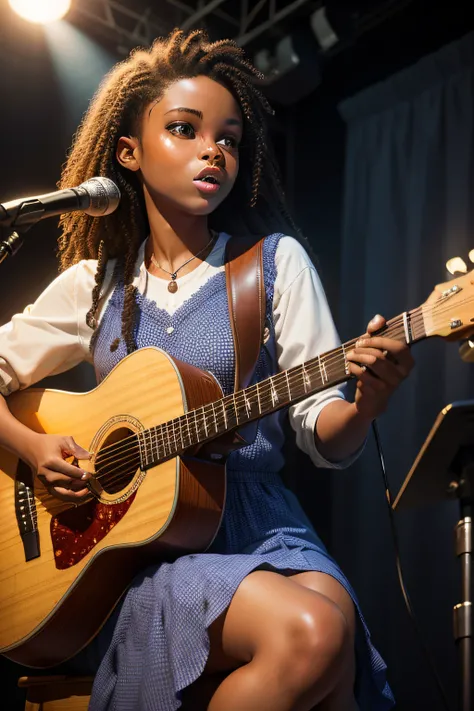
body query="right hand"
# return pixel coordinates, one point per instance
(47, 455)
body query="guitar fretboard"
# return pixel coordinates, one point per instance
(173, 437)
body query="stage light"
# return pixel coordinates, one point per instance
(41, 11)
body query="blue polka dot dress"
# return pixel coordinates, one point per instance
(157, 643)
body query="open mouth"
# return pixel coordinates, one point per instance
(208, 179)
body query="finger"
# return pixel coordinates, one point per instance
(399, 352)
(376, 323)
(367, 378)
(75, 497)
(71, 447)
(49, 477)
(379, 363)
(60, 466)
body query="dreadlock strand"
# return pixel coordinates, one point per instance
(91, 317)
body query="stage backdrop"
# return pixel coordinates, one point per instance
(408, 208)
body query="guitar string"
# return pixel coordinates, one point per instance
(238, 398)
(327, 361)
(238, 401)
(416, 317)
(174, 448)
(168, 430)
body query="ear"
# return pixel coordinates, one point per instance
(128, 153)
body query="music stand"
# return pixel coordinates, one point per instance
(444, 469)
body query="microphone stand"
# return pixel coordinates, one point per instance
(10, 246)
(30, 212)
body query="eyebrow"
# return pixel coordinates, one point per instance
(199, 114)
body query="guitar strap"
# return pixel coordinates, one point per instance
(247, 302)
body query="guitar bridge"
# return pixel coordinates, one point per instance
(25, 508)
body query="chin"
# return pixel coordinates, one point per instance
(203, 206)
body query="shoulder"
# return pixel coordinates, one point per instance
(80, 277)
(292, 261)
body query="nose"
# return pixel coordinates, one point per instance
(213, 155)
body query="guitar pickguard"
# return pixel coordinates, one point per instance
(76, 531)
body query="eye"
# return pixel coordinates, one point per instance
(182, 129)
(229, 142)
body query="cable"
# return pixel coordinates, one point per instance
(406, 597)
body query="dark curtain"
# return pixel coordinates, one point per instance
(408, 208)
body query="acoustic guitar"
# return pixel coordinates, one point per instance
(159, 431)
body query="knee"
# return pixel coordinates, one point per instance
(318, 641)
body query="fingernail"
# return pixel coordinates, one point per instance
(360, 344)
(85, 475)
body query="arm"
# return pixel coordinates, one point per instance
(380, 365)
(328, 427)
(45, 454)
(47, 338)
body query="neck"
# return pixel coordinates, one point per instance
(175, 236)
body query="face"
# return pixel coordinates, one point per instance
(188, 150)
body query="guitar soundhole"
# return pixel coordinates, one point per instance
(118, 459)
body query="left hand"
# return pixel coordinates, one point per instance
(380, 365)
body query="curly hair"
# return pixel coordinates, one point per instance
(116, 110)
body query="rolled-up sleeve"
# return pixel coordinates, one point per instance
(304, 329)
(46, 338)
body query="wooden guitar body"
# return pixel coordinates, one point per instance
(58, 585)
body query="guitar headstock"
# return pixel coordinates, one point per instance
(449, 310)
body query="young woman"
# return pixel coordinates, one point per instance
(264, 620)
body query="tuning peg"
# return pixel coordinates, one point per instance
(456, 265)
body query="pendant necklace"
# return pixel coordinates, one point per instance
(173, 286)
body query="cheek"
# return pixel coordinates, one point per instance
(166, 150)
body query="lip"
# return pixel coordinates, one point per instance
(208, 188)
(212, 171)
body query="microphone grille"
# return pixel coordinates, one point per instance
(104, 196)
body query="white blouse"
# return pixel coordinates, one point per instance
(51, 335)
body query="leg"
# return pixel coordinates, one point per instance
(342, 699)
(286, 643)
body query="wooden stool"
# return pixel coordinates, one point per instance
(57, 693)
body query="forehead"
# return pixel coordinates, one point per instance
(202, 94)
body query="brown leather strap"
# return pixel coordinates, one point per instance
(246, 297)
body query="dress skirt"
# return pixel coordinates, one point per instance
(157, 643)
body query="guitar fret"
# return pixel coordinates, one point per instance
(273, 392)
(204, 421)
(288, 385)
(225, 414)
(186, 419)
(196, 427)
(306, 379)
(235, 409)
(322, 371)
(149, 448)
(258, 399)
(247, 404)
(141, 450)
(214, 416)
(346, 364)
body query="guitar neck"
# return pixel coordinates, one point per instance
(288, 387)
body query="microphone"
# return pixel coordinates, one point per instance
(96, 197)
